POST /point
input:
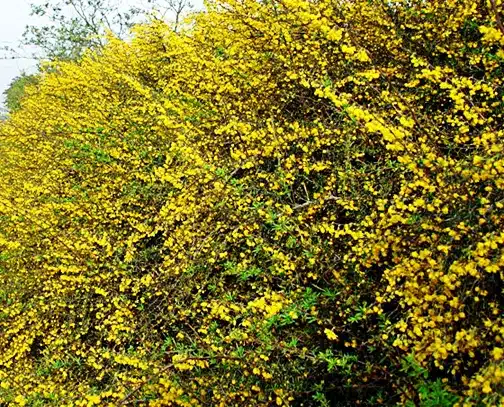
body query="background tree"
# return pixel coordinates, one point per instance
(15, 92)
(176, 7)
(76, 25)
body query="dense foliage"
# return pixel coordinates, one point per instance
(291, 202)
(15, 92)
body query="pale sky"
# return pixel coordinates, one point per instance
(14, 16)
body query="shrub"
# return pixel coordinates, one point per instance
(274, 207)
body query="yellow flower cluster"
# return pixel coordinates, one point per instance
(287, 201)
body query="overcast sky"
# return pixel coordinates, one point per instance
(14, 16)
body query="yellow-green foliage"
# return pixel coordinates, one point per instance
(292, 201)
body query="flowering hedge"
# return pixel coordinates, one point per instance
(291, 202)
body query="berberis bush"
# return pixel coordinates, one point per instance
(291, 202)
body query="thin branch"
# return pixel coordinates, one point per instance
(497, 16)
(308, 203)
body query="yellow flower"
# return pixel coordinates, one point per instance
(330, 335)
(334, 35)
(20, 400)
(486, 387)
(497, 353)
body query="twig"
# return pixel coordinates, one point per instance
(497, 16)
(307, 203)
